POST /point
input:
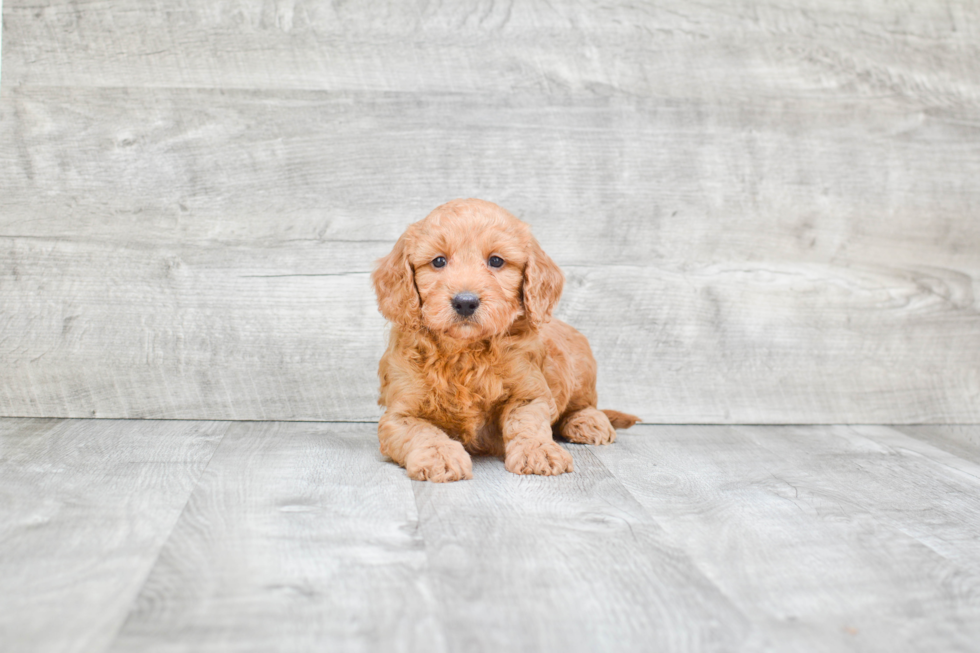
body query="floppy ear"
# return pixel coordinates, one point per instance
(394, 284)
(543, 283)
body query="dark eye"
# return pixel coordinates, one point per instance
(439, 262)
(496, 262)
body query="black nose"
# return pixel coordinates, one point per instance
(466, 303)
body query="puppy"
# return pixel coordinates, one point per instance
(475, 363)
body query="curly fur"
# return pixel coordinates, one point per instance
(502, 381)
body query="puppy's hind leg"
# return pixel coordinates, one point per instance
(587, 426)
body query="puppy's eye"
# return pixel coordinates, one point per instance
(496, 262)
(439, 262)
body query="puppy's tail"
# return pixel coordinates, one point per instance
(621, 420)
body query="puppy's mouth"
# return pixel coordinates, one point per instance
(465, 327)
(466, 323)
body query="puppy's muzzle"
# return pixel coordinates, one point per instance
(466, 303)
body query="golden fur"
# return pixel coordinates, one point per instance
(502, 381)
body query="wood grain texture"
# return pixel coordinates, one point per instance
(153, 331)
(571, 563)
(963, 440)
(766, 212)
(796, 524)
(608, 179)
(672, 49)
(298, 537)
(85, 507)
(260, 333)
(200, 536)
(150, 303)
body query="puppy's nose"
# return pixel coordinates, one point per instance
(466, 303)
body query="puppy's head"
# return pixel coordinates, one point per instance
(467, 271)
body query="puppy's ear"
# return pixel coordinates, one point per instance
(394, 284)
(543, 283)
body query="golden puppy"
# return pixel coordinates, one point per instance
(474, 362)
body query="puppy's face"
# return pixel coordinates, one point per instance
(467, 271)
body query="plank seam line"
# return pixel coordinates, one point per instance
(191, 419)
(668, 537)
(425, 576)
(310, 274)
(374, 421)
(164, 541)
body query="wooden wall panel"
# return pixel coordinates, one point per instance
(252, 333)
(144, 331)
(716, 50)
(766, 214)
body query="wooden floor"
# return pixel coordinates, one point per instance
(264, 536)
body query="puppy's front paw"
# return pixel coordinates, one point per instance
(441, 463)
(588, 426)
(527, 456)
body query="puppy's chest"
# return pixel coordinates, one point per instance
(466, 388)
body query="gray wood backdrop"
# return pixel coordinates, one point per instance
(767, 212)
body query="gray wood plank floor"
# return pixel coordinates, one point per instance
(258, 536)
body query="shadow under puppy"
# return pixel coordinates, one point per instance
(475, 363)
